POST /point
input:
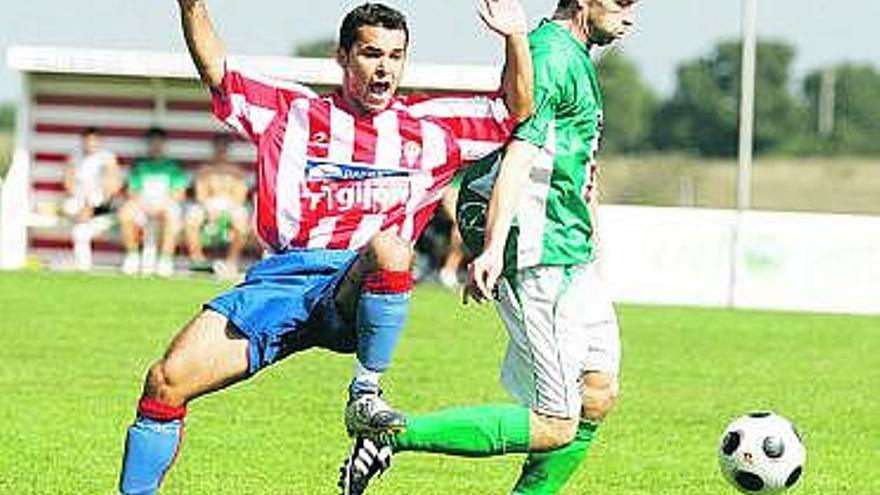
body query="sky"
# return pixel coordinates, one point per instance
(668, 32)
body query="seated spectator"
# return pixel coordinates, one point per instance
(448, 272)
(220, 215)
(92, 180)
(156, 189)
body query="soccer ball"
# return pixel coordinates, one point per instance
(761, 453)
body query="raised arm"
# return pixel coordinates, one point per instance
(205, 47)
(507, 18)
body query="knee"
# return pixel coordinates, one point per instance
(387, 251)
(127, 214)
(240, 225)
(163, 380)
(550, 433)
(600, 392)
(195, 219)
(82, 232)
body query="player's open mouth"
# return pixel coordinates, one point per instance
(379, 89)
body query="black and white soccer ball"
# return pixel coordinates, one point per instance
(762, 453)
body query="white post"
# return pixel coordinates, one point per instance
(747, 105)
(15, 201)
(826, 102)
(746, 134)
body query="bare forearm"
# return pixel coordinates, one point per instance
(518, 78)
(205, 47)
(509, 188)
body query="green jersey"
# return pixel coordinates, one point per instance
(553, 224)
(155, 179)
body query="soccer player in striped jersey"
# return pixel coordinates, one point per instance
(345, 184)
(563, 356)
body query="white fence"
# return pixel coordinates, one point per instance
(766, 260)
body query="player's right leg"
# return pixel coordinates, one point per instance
(376, 296)
(271, 315)
(587, 340)
(558, 330)
(131, 217)
(207, 355)
(169, 221)
(195, 218)
(545, 473)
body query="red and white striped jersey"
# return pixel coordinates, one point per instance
(328, 178)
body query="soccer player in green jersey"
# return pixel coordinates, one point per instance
(536, 210)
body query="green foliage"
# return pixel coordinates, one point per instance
(319, 48)
(7, 117)
(5, 152)
(856, 90)
(703, 113)
(629, 104)
(76, 348)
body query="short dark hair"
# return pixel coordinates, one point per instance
(156, 132)
(89, 131)
(370, 14)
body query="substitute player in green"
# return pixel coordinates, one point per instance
(535, 207)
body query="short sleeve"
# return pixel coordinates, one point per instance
(248, 101)
(547, 97)
(479, 123)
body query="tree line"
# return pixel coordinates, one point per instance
(835, 110)
(7, 117)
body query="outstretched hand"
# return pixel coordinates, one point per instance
(505, 17)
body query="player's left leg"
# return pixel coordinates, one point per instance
(195, 219)
(131, 218)
(376, 296)
(238, 234)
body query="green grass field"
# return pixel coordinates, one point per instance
(74, 349)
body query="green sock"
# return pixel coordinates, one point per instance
(544, 473)
(478, 431)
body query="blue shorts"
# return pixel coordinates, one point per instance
(287, 303)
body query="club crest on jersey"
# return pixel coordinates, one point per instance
(324, 170)
(411, 153)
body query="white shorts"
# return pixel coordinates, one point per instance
(561, 325)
